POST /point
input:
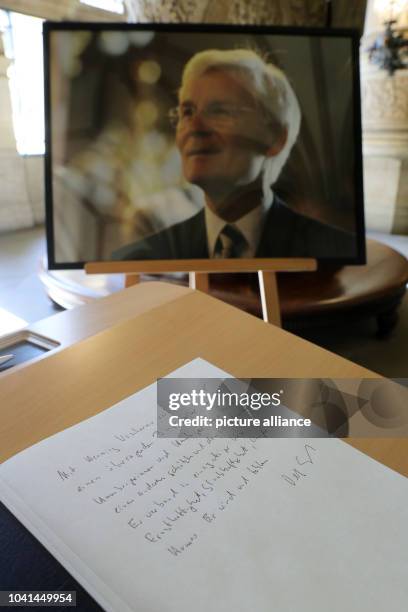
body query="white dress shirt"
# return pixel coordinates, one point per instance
(250, 226)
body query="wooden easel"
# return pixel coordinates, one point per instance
(268, 286)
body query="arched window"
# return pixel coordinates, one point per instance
(23, 45)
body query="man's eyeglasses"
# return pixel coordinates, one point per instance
(215, 114)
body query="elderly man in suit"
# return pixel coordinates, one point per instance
(236, 123)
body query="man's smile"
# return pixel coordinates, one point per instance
(202, 151)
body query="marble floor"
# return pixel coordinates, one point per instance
(21, 291)
(23, 299)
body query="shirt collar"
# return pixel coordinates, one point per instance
(250, 225)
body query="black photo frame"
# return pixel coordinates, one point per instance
(341, 152)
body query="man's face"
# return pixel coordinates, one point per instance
(222, 136)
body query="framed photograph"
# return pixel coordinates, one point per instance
(197, 147)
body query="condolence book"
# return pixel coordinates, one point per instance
(180, 525)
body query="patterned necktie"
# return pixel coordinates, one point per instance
(230, 243)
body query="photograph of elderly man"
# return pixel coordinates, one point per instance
(236, 122)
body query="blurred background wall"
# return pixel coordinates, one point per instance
(385, 125)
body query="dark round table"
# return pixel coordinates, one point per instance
(330, 295)
(308, 300)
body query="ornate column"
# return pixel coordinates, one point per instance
(385, 138)
(15, 209)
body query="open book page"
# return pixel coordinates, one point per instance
(147, 524)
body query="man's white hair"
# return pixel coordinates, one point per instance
(267, 84)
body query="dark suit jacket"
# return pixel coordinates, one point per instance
(285, 234)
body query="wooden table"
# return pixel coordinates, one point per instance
(115, 346)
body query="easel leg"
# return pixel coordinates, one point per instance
(199, 280)
(131, 279)
(268, 288)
